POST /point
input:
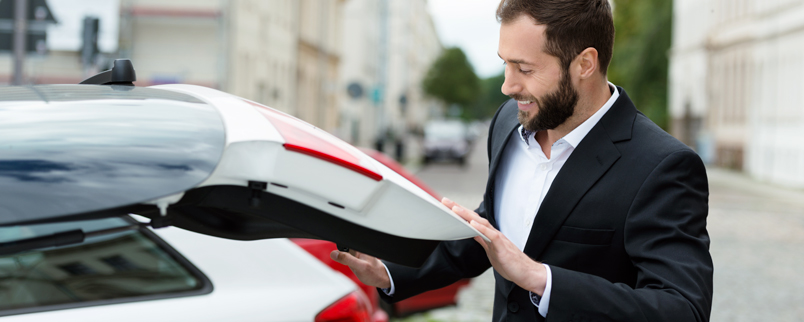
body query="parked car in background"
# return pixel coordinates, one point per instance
(78, 161)
(446, 140)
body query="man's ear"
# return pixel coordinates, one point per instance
(586, 63)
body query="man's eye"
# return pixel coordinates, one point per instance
(525, 71)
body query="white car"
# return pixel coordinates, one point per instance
(170, 275)
(75, 160)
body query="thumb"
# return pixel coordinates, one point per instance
(334, 255)
(344, 258)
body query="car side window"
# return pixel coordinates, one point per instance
(120, 267)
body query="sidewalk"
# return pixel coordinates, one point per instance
(726, 184)
(757, 232)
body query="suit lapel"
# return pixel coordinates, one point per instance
(591, 159)
(506, 125)
(504, 128)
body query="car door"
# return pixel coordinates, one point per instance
(206, 161)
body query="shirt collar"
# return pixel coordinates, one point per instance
(575, 136)
(525, 134)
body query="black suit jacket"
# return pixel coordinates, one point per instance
(623, 228)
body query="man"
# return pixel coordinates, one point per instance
(594, 213)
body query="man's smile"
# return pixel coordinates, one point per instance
(525, 105)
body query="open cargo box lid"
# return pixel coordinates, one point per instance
(206, 161)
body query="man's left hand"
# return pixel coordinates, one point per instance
(507, 259)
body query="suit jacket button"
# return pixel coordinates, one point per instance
(513, 307)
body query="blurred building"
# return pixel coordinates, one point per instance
(360, 71)
(413, 46)
(319, 56)
(282, 53)
(244, 47)
(299, 56)
(388, 46)
(39, 18)
(735, 85)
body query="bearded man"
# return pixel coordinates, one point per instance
(593, 212)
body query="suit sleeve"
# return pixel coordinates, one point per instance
(450, 261)
(666, 239)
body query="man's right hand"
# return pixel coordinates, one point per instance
(367, 268)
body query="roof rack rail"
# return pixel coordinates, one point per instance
(122, 73)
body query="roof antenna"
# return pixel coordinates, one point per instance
(122, 73)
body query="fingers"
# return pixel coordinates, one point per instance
(367, 268)
(483, 228)
(483, 243)
(449, 203)
(469, 216)
(345, 258)
(466, 214)
(334, 255)
(486, 230)
(352, 258)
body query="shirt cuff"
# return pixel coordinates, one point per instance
(389, 291)
(541, 302)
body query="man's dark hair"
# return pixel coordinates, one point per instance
(571, 26)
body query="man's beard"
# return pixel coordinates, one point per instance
(554, 108)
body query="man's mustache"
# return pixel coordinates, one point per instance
(519, 97)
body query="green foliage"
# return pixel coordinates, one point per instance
(640, 59)
(452, 79)
(490, 98)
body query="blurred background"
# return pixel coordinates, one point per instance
(419, 79)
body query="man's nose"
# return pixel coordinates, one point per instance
(511, 84)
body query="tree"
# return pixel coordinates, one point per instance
(640, 62)
(490, 98)
(452, 79)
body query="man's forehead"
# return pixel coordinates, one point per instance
(521, 40)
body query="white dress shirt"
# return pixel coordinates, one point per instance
(524, 176)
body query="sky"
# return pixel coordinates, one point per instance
(472, 26)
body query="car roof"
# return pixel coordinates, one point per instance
(75, 149)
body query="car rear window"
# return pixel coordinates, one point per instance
(445, 131)
(120, 267)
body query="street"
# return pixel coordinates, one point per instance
(465, 186)
(757, 233)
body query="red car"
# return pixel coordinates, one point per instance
(429, 300)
